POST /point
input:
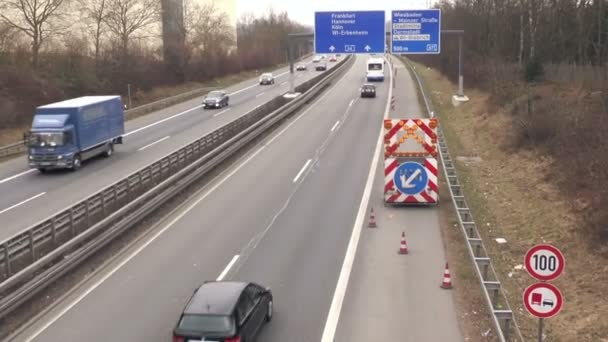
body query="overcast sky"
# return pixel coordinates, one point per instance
(303, 10)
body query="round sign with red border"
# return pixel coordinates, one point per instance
(545, 262)
(543, 300)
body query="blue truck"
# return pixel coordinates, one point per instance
(66, 133)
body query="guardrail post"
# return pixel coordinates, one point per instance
(30, 234)
(87, 212)
(54, 230)
(72, 225)
(7, 260)
(103, 202)
(115, 194)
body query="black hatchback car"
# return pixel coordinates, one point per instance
(224, 311)
(368, 90)
(216, 99)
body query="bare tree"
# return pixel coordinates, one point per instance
(35, 18)
(95, 12)
(126, 17)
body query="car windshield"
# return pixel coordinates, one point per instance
(267, 75)
(214, 95)
(206, 323)
(374, 66)
(44, 139)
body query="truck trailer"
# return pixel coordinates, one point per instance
(66, 133)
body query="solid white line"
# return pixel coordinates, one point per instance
(22, 202)
(163, 120)
(351, 103)
(222, 112)
(333, 315)
(302, 170)
(170, 224)
(17, 175)
(154, 143)
(260, 94)
(335, 125)
(228, 267)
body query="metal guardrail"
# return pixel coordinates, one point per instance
(19, 147)
(37, 256)
(496, 300)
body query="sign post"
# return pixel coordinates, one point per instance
(350, 32)
(543, 300)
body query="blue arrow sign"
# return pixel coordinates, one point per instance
(349, 32)
(410, 178)
(416, 32)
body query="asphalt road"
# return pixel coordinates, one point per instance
(28, 197)
(283, 217)
(286, 211)
(399, 295)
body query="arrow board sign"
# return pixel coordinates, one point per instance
(350, 32)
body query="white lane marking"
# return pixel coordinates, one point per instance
(22, 202)
(242, 90)
(163, 120)
(260, 94)
(351, 103)
(175, 220)
(333, 315)
(302, 170)
(284, 83)
(154, 143)
(16, 176)
(222, 112)
(335, 125)
(228, 267)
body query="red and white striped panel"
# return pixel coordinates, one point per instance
(424, 131)
(392, 195)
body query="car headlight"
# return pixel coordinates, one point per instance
(59, 157)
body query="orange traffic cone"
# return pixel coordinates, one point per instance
(372, 220)
(403, 246)
(447, 279)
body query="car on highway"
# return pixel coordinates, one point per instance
(301, 67)
(224, 311)
(322, 66)
(266, 78)
(333, 58)
(216, 99)
(368, 90)
(316, 59)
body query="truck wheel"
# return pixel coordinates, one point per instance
(76, 163)
(109, 150)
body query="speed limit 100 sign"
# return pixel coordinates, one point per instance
(545, 262)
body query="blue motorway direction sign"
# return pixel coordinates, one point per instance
(416, 31)
(349, 32)
(410, 178)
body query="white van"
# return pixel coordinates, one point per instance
(375, 69)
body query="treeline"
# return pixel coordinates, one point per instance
(56, 49)
(544, 63)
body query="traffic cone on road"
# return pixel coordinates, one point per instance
(403, 246)
(372, 220)
(447, 278)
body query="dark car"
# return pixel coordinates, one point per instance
(216, 99)
(368, 90)
(322, 66)
(224, 311)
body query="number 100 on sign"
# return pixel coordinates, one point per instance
(544, 262)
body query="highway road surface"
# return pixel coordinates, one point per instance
(29, 197)
(283, 216)
(399, 295)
